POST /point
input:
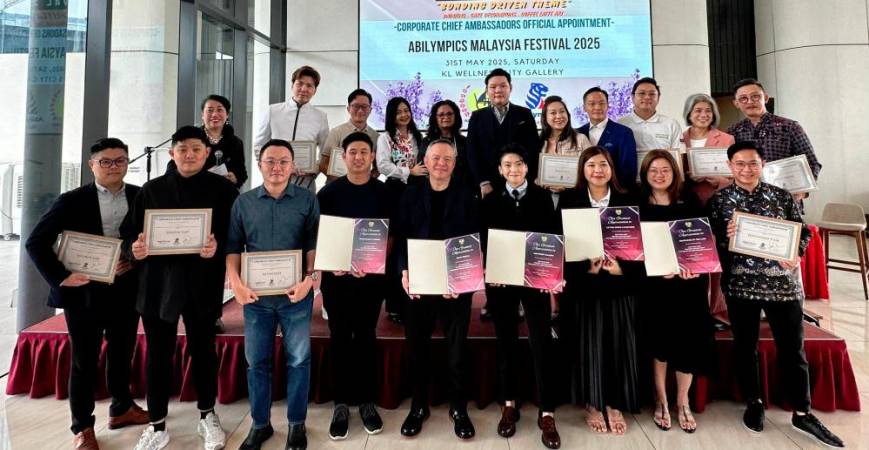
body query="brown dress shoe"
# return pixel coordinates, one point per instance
(550, 436)
(507, 425)
(134, 416)
(86, 440)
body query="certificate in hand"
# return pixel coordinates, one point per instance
(620, 229)
(582, 234)
(452, 266)
(89, 254)
(791, 174)
(525, 259)
(305, 155)
(176, 231)
(558, 170)
(337, 168)
(680, 245)
(708, 162)
(674, 152)
(766, 237)
(345, 244)
(271, 273)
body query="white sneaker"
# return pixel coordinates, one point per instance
(209, 430)
(152, 440)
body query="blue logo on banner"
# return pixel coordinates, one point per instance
(536, 94)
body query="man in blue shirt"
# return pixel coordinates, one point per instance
(275, 216)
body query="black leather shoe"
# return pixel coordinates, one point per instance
(507, 424)
(413, 423)
(256, 437)
(462, 424)
(810, 425)
(753, 417)
(296, 438)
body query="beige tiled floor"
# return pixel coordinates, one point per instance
(43, 423)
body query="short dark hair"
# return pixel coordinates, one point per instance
(512, 148)
(744, 145)
(593, 90)
(434, 131)
(747, 82)
(107, 143)
(217, 98)
(357, 136)
(357, 93)
(646, 80)
(190, 132)
(499, 72)
(307, 71)
(276, 143)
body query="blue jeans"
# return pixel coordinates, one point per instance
(260, 326)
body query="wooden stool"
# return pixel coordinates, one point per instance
(846, 219)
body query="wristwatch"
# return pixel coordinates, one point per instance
(314, 276)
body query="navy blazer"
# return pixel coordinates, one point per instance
(619, 141)
(486, 137)
(76, 210)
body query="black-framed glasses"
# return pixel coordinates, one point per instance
(106, 163)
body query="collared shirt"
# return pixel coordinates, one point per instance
(113, 208)
(260, 222)
(750, 277)
(337, 135)
(566, 147)
(501, 112)
(779, 138)
(595, 131)
(522, 189)
(602, 203)
(294, 123)
(658, 131)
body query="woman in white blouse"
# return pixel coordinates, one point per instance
(398, 146)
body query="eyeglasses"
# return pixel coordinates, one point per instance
(360, 107)
(106, 163)
(746, 98)
(753, 165)
(284, 163)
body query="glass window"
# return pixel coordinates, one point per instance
(214, 57)
(258, 98)
(259, 15)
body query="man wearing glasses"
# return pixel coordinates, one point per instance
(779, 137)
(93, 309)
(359, 108)
(753, 284)
(278, 215)
(651, 130)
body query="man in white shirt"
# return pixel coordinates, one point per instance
(359, 108)
(651, 130)
(297, 120)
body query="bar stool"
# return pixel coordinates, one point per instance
(845, 219)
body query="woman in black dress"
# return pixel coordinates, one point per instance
(679, 330)
(598, 308)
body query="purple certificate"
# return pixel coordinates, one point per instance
(544, 260)
(622, 237)
(464, 264)
(695, 245)
(369, 245)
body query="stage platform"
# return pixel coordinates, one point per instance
(41, 362)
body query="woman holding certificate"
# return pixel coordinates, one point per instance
(525, 207)
(702, 117)
(598, 308)
(558, 136)
(679, 332)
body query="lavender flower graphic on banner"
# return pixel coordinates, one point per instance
(620, 102)
(415, 94)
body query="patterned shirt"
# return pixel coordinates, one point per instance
(779, 137)
(750, 277)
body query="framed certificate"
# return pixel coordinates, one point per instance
(92, 255)
(791, 174)
(176, 231)
(674, 152)
(766, 237)
(525, 259)
(686, 244)
(271, 273)
(451, 266)
(305, 155)
(558, 170)
(345, 244)
(337, 168)
(708, 162)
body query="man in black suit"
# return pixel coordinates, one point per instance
(493, 127)
(437, 209)
(93, 309)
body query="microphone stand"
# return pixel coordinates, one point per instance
(147, 154)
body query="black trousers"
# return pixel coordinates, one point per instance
(786, 322)
(455, 315)
(354, 307)
(504, 306)
(161, 337)
(117, 320)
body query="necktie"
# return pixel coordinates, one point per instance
(516, 196)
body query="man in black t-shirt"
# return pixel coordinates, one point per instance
(353, 299)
